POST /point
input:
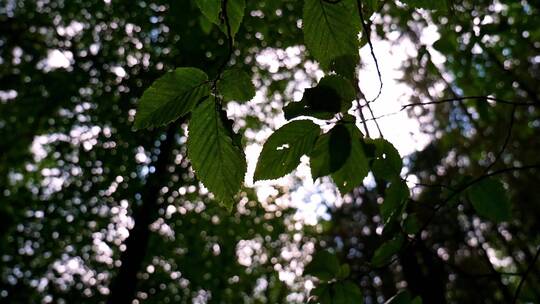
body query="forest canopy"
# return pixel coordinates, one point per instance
(233, 151)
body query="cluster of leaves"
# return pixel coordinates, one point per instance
(331, 31)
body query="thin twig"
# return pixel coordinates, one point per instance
(506, 140)
(524, 277)
(367, 32)
(469, 184)
(359, 96)
(476, 98)
(373, 118)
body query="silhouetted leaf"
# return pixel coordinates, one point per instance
(331, 151)
(356, 168)
(332, 95)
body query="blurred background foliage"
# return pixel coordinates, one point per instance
(75, 177)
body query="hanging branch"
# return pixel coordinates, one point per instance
(464, 98)
(368, 38)
(524, 277)
(506, 140)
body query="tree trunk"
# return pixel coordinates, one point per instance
(124, 285)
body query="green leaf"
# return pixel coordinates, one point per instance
(356, 168)
(330, 29)
(344, 271)
(206, 25)
(171, 96)
(387, 163)
(346, 292)
(236, 84)
(322, 294)
(210, 9)
(217, 159)
(332, 95)
(346, 65)
(489, 199)
(411, 225)
(282, 151)
(384, 253)
(331, 151)
(394, 199)
(324, 266)
(235, 14)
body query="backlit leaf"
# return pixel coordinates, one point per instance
(282, 151)
(330, 30)
(217, 159)
(170, 97)
(236, 85)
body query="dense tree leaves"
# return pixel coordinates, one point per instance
(356, 167)
(490, 200)
(235, 84)
(331, 151)
(330, 29)
(217, 159)
(170, 97)
(332, 95)
(386, 251)
(282, 151)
